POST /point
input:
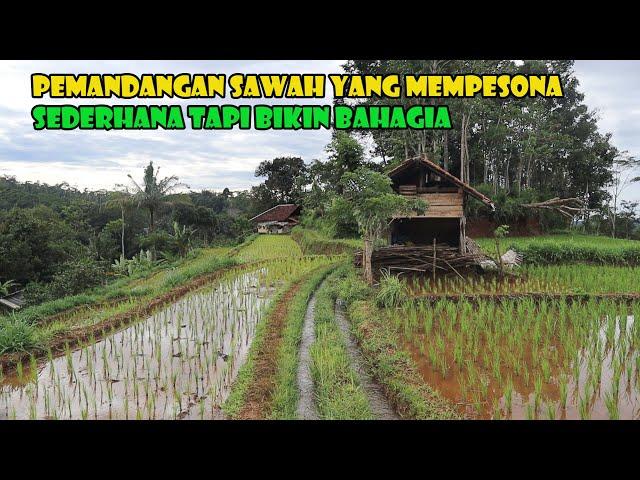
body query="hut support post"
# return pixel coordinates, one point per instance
(463, 236)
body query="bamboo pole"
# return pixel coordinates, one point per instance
(434, 260)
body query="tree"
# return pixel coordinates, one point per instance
(345, 155)
(628, 217)
(369, 196)
(154, 191)
(34, 242)
(286, 178)
(548, 144)
(623, 176)
(121, 199)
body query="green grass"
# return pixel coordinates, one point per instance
(265, 247)
(129, 293)
(553, 279)
(567, 248)
(285, 396)
(390, 364)
(235, 401)
(339, 395)
(391, 291)
(313, 242)
(17, 336)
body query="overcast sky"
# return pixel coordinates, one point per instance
(218, 159)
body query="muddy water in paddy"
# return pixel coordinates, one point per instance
(179, 363)
(618, 362)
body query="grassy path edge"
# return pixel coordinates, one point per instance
(339, 392)
(284, 397)
(389, 364)
(378, 401)
(117, 322)
(393, 368)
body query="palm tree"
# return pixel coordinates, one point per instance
(152, 195)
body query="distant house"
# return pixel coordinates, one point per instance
(13, 301)
(279, 219)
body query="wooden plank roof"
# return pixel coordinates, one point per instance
(423, 160)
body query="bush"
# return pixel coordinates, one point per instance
(157, 241)
(391, 292)
(314, 243)
(78, 275)
(16, 335)
(73, 277)
(562, 249)
(352, 287)
(553, 254)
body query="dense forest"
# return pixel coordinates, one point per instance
(57, 240)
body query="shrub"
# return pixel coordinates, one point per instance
(314, 243)
(157, 241)
(562, 249)
(78, 275)
(352, 287)
(141, 263)
(73, 277)
(16, 335)
(6, 287)
(391, 292)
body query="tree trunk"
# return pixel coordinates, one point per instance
(519, 170)
(445, 150)
(467, 172)
(122, 232)
(613, 221)
(151, 221)
(494, 172)
(507, 186)
(367, 253)
(485, 175)
(463, 143)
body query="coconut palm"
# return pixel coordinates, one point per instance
(153, 193)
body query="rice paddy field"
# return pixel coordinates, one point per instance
(569, 248)
(552, 341)
(218, 336)
(178, 362)
(523, 359)
(267, 247)
(565, 279)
